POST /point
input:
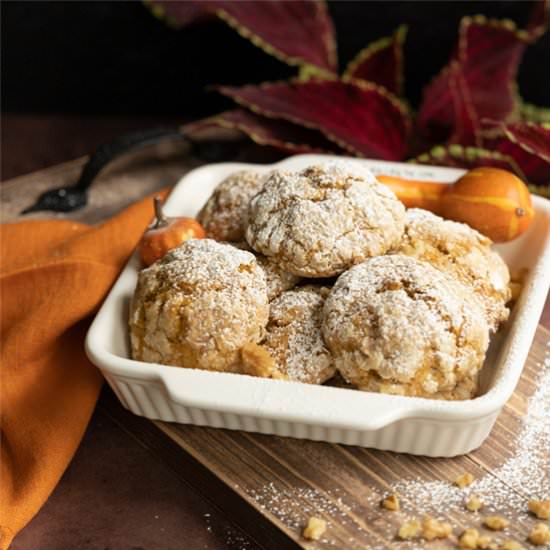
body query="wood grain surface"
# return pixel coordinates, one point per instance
(271, 485)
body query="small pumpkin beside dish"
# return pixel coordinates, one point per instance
(166, 233)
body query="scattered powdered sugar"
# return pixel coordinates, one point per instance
(525, 475)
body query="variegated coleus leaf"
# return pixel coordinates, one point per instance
(360, 117)
(381, 62)
(269, 131)
(486, 59)
(523, 148)
(298, 32)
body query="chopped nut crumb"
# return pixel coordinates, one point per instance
(464, 480)
(409, 530)
(540, 534)
(434, 529)
(541, 508)
(493, 546)
(257, 361)
(469, 538)
(511, 545)
(314, 529)
(391, 502)
(496, 523)
(484, 541)
(474, 504)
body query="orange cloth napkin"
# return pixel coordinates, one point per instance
(53, 277)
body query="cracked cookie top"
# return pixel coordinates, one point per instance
(293, 337)
(322, 220)
(224, 216)
(462, 252)
(198, 306)
(397, 325)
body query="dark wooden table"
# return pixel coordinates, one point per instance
(133, 484)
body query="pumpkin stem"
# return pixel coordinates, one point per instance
(160, 218)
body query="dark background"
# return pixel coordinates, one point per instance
(99, 65)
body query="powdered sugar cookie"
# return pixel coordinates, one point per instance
(398, 325)
(462, 252)
(198, 306)
(293, 336)
(224, 216)
(324, 219)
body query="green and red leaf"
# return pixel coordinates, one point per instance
(540, 19)
(487, 57)
(381, 62)
(268, 131)
(298, 32)
(358, 116)
(534, 138)
(468, 157)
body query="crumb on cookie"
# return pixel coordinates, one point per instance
(257, 361)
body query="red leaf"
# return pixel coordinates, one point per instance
(487, 55)
(535, 168)
(540, 19)
(298, 32)
(381, 62)
(534, 138)
(268, 131)
(358, 116)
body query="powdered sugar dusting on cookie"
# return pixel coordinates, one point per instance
(197, 307)
(398, 325)
(464, 253)
(293, 336)
(324, 219)
(224, 216)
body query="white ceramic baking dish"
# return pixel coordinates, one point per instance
(238, 402)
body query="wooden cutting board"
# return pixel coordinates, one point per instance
(271, 485)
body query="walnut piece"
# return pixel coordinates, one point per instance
(541, 508)
(434, 529)
(540, 534)
(464, 480)
(391, 502)
(409, 530)
(314, 529)
(469, 538)
(496, 523)
(474, 503)
(484, 541)
(511, 545)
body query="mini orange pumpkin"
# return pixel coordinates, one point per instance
(166, 233)
(493, 201)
